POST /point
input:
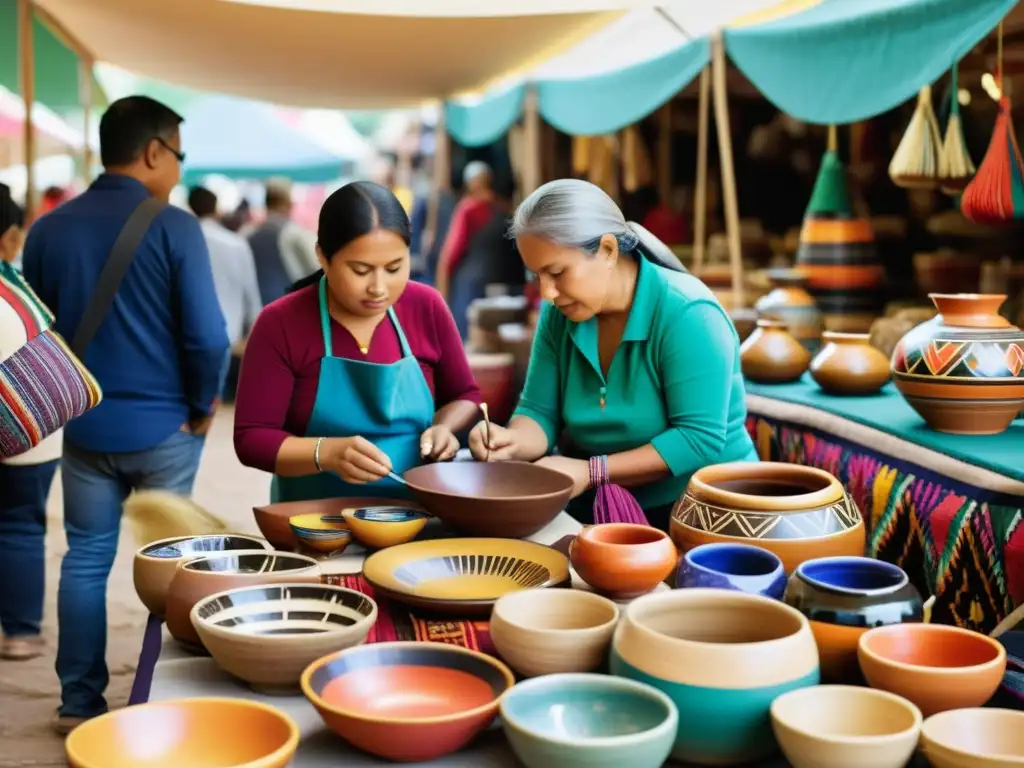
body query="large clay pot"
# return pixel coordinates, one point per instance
(849, 365)
(797, 512)
(790, 302)
(722, 657)
(771, 355)
(963, 371)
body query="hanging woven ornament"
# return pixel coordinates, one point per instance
(996, 193)
(956, 169)
(916, 162)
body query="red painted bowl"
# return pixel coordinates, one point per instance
(407, 702)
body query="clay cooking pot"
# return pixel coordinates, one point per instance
(622, 560)
(849, 365)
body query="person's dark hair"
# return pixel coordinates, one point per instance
(352, 211)
(202, 202)
(277, 196)
(129, 124)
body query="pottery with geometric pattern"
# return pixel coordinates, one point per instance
(963, 371)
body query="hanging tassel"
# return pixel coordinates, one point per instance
(915, 165)
(580, 155)
(154, 515)
(612, 503)
(956, 169)
(996, 193)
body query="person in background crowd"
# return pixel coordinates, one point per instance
(159, 355)
(473, 211)
(52, 197)
(667, 220)
(234, 274)
(238, 219)
(425, 245)
(284, 252)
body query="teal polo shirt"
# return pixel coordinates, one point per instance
(674, 382)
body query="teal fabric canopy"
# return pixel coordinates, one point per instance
(842, 61)
(484, 122)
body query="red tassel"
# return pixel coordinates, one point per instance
(990, 197)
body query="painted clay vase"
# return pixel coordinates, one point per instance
(963, 371)
(844, 597)
(622, 560)
(722, 656)
(742, 567)
(770, 355)
(799, 513)
(790, 302)
(848, 364)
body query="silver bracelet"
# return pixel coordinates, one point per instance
(316, 454)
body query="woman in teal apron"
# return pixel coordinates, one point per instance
(358, 372)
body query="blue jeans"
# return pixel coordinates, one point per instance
(95, 487)
(23, 492)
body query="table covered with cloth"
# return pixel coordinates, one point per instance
(946, 508)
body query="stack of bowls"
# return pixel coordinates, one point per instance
(321, 533)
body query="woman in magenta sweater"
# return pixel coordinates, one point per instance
(358, 371)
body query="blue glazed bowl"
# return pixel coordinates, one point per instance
(588, 721)
(742, 567)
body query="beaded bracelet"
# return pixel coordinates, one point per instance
(316, 454)
(598, 471)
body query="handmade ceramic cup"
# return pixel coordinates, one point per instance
(742, 567)
(841, 726)
(379, 527)
(722, 657)
(843, 597)
(974, 738)
(622, 560)
(935, 666)
(588, 721)
(544, 631)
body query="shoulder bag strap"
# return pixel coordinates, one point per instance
(120, 258)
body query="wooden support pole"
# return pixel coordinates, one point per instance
(700, 193)
(27, 74)
(729, 197)
(442, 170)
(531, 172)
(665, 153)
(85, 74)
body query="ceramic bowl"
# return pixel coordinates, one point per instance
(509, 498)
(623, 560)
(155, 564)
(935, 666)
(204, 576)
(321, 533)
(974, 738)
(272, 519)
(407, 702)
(213, 733)
(843, 597)
(380, 527)
(544, 631)
(462, 577)
(839, 726)
(588, 721)
(742, 567)
(267, 635)
(722, 657)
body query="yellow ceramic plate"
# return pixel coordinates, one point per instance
(463, 576)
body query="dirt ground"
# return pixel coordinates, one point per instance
(29, 691)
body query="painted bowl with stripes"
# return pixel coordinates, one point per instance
(321, 533)
(267, 635)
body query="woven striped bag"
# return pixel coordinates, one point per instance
(43, 385)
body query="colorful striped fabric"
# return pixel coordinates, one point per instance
(42, 387)
(34, 315)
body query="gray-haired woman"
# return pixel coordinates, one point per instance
(634, 360)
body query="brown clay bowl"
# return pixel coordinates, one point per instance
(510, 499)
(623, 560)
(974, 738)
(272, 519)
(155, 564)
(407, 702)
(209, 732)
(204, 576)
(936, 667)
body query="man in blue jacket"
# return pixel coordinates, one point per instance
(159, 355)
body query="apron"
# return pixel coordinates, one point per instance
(389, 405)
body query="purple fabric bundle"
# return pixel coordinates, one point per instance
(612, 503)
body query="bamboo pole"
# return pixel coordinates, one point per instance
(27, 74)
(665, 153)
(85, 74)
(531, 173)
(700, 194)
(729, 197)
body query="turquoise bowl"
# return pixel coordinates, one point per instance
(588, 721)
(722, 657)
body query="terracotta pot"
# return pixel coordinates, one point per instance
(935, 666)
(204, 576)
(722, 657)
(771, 355)
(963, 372)
(974, 738)
(797, 512)
(622, 560)
(790, 302)
(849, 365)
(844, 597)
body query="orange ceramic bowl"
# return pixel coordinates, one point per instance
(407, 702)
(937, 667)
(213, 733)
(623, 560)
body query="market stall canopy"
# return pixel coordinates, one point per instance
(360, 59)
(53, 135)
(244, 139)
